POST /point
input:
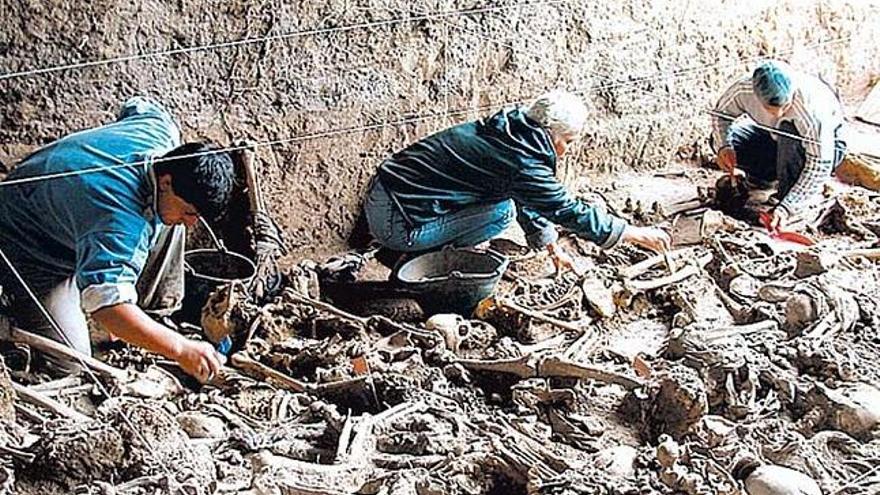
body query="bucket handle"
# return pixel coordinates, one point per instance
(217, 242)
(457, 275)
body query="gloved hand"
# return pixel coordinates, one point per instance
(268, 247)
(267, 236)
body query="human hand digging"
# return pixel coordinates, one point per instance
(198, 359)
(727, 159)
(778, 219)
(648, 237)
(562, 260)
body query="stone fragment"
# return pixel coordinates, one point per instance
(200, 425)
(599, 297)
(617, 461)
(811, 263)
(799, 311)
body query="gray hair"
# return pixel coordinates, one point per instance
(560, 112)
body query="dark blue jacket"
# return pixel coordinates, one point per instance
(507, 156)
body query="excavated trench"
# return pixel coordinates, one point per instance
(638, 377)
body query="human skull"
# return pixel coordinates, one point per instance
(452, 327)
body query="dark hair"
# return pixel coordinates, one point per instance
(201, 176)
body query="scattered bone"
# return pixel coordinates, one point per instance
(60, 350)
(38, 399)
(508, 304)
(618, 462)
(451, 327)
(154, 383)
(811, 263)
(7, 395)
(555, 366)
(514, 406)
(691, 266)
(771, 479)
(671, 403)
(853, 409)
(263, 372)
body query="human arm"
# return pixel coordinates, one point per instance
(818, 140)
(539, 231)
(132, 325)
(108, 264)
(729, 107)
(537, 192)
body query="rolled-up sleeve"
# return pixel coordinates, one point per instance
(539, 231)
(537, 190)
(109, 264)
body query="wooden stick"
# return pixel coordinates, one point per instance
(38, 399)
(255, 195)
(58, 349)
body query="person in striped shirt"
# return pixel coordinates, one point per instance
(780, 125)
(466, 184)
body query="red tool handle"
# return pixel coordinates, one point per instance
(775, 233)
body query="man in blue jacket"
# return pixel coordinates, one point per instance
(117, 210)
(466, 184)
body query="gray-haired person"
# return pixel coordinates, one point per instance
(466, 184)
(803, 147)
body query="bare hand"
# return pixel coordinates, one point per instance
(727, 159)
(778, 219)
(648, 237)
(562, 260)
(199, 359)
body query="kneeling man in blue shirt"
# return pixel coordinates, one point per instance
(83, 239)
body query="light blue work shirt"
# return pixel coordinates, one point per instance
(98, 226)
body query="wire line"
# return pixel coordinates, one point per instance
(272, 37)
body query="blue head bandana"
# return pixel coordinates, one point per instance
(772, 83)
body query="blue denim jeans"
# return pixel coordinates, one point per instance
(765, 160)
(467, 227)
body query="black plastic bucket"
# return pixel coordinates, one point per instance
(452, 280)
(207, 269)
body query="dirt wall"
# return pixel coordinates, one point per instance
(649, 67)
